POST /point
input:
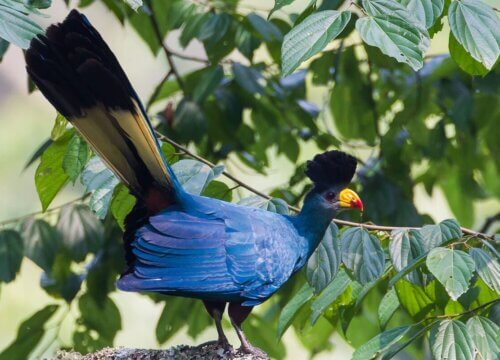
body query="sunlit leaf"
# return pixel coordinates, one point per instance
(413, 299)
(100, 182)
(487, 268)
(310, 37)
(394, 37)
(122, 204)
(16, 26)
(450, 340)
(477, 28)
(329, 295)
(50, 176)
(485, 336)
(193, 175)
(76, 157)
(435, 235)
(290, 310)
(453, 268)
(362, 254)
(324, 263)
(387, 307)
(405, 246)
(380, 343)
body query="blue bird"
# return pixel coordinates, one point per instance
(177, 243)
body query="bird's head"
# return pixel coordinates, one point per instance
(331, 173)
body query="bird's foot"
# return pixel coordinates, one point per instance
(252, 350)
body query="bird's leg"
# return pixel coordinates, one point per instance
(216, 310)
(238, 314)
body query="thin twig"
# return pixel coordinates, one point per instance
(490, 221)
(26, 216)
(157, 89)
(166, 50)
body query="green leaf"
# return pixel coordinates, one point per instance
(215, 27)
(81, 231)
(193, 175)
(392, 8)
(122, 204)
(4, 45)
(29, 334)
(487, 268)
(75, 158)
(16, 27)
(449, 340)
(218, 190)
(50, 176)
(61, 281)
(198, 319)
(11, 254)
(102, 317)
(464, 60)
(426, 12)
(391, 353)
(435, 235)
(59, 128)
(412, 266)
(329, 295)
(413, 299)
(405, 246)
(394, 37)
(292, 307)
(134, 4)
(248, 78)
(485, 336)
(324, 263)
(167, 89)
(452, 268)
(477, 28)
(100, 182)
(310, 37)
(352, 85)
(209, 80)
(263, 336)
(172, 318)
(189, 121)
(278, 4)
(379, 343)
(192, 28)
(267, 30)
(41, 242)
(274, 205)
(362, 254)
(387, 307)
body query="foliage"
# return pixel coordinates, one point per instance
(412, 119)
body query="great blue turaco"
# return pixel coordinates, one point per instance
(177, 243)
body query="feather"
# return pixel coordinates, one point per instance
(79, 74)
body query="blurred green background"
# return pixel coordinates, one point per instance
(26, 121)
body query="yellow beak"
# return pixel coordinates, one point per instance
(349, 199)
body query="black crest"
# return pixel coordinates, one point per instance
(331, 168)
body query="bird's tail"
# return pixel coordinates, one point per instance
(78, 73)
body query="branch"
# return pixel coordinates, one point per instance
(166, 50)
(296, 209)
(490, 221)
(48, 211)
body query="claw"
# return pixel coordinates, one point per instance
(252, 350)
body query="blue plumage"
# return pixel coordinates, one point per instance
(176, 243)
(231, 253)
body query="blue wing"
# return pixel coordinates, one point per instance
(233, 253)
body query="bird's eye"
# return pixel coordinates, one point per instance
(330, 196)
